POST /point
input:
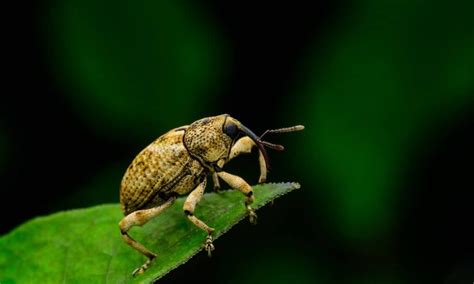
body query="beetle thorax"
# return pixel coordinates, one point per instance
(205, 140)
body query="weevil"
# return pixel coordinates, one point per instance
(178, 163)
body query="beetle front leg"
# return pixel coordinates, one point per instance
(139, 218)
(244, 146)
(189, 205)
(241, 185)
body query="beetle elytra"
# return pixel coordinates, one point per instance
(178, 163)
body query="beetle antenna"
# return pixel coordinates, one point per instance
(272, 146)
(279, 130)
(283, 130)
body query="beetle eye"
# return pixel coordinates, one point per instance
(231, 130)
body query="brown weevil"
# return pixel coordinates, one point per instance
(178, 163)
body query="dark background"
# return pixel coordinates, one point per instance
(385, 91)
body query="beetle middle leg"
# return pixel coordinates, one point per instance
(189, 205)
(244, 146)
(215, 180)
(140, 218)
(241, 185)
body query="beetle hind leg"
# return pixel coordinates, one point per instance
(241, 185)
(189, 205)
(139, 218)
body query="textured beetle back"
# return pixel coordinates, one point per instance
(151, 174)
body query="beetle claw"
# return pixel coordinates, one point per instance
(143, 268)
(138, 271)
(252, 217)
(209, 246)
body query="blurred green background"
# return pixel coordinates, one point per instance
(384, 88)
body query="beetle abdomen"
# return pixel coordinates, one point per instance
(156, 173)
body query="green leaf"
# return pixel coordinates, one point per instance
(85, 246)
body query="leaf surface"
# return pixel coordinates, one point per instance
(84, 245)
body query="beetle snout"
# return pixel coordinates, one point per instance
(257, 141)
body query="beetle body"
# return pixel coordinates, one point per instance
(177, 163)
(160, 171)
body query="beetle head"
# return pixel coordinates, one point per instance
(210, 139)
(234, 129)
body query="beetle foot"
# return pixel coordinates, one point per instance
(208, 245)
(252, 216)
(143, 268)
(217, 189)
